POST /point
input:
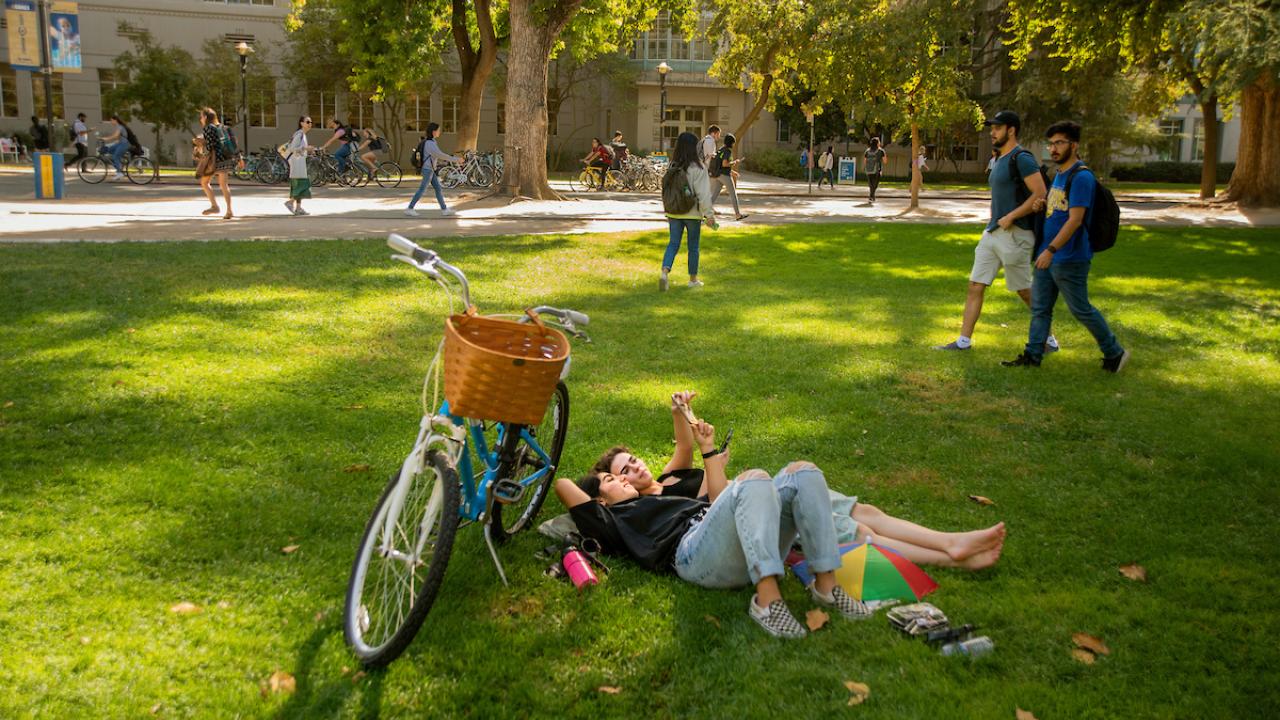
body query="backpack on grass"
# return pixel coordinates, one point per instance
(677, 194)
(1102, 227)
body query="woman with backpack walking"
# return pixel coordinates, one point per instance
(219, 159)
(299, 179)
(827, 163)
(431, 153)
(686, 200)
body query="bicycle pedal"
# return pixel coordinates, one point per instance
(507, 491)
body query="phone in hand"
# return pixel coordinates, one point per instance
(725, 445)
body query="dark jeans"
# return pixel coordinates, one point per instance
(678, 227)
(873, 182)
(81, 152)
(1071, 280)
(829, 176)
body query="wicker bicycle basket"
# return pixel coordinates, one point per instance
(496, 369)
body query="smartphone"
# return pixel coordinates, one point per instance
(725, 445)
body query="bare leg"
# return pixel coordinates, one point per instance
(226, 193)
(972, 308)
(767, 591)
(956, 546)
(206, 185)
(1026, 296)
(929, 556)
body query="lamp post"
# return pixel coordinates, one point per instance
(663, 69)
(808, 115)
(244, 49)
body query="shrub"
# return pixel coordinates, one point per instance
(1170, 172)
(772, 161)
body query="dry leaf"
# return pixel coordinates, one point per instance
(321, 616)
(864, 431)
(84, 640)
(816, 618)
(289, 549)
(1083, 656)
(8, 403)
(155, 709)
(1020, 714)
(982, 500)
(358, 676)
(282, 682)
(1134, 571)
(117, 383)
(131, 331)
(223, 605)
(185, 608)
(584, 669)
(357, 406)
(860, 452)
(609, 689)
(860, 692)
(1090, 643)
(345, 670)
(358, 467)
(713, 620)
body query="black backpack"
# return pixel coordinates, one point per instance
(1021, 192)
(416, 158)
(677, 194)
(716, 166)
(1103, 223)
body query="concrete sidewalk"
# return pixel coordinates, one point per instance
(113, 212)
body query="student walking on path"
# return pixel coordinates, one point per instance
(689, 179)
(825, 163)
(873, 165)
(1016, 185)
(220, 158)
(431, 153)
(723, 175)
(81, 132)
(1062, 266)
(299, 180)
(707, 146)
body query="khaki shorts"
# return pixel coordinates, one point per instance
(1008, 248)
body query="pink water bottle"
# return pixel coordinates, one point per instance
(579, 569)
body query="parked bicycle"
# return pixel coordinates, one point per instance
(266, 166)
(640, 175)
(474, 171)
(137, 166)
(509, 371)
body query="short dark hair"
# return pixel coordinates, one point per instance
(590, 484)
(1064, 127)
(729, 140)
(81, 115)
(713, 129)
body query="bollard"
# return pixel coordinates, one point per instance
(49, 175)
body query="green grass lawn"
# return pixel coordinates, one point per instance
(172, 415)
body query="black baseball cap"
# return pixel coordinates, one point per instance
(1008, 118)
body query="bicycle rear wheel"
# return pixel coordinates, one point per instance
(397, 574)
(529, 468)
(388, 174)
(92, 170)
(140, 171)
(451, 176)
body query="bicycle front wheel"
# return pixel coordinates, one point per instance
(92, 170)
(140, 171)
(388, 174)
(401, 560)
(534, 470)
(451, 176)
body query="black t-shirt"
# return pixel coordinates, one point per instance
(688, 482)
(646, 529)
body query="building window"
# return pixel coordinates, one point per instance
(658, 37)
(450, 98)
(1197, 141)
(702, 49)
(8, 91)
(1171, 148)
(502, 118)
(262, 105)
(37, 95)
(637, 49)
(321, 106)
(964, 153)
(553, 117)
(359, 110)
(784, 132)
(680, 119)
(108, 81)
(417, 112)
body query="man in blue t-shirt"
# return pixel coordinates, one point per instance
(1062, 266)
(1008, 238)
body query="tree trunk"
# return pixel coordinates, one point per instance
(475, 67)
(1256, 180)
(917, 178)
(392, 125)
(469, 111)
(761, 100)
(1209, 167)
(532, 39)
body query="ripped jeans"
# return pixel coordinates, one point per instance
(750, 527)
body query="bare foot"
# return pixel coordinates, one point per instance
(212, 210)
(982, 560)
(966, 545)
(228, 216)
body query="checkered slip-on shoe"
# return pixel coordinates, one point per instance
(776, 619)
(840, 600)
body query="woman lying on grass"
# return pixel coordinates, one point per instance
(736, 537)
(854, 521)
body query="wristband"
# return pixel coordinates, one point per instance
(711, 453)
(1050, 249)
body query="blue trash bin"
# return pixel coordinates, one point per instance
(49, 175)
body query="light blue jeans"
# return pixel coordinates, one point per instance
(341, 156)
(428, 176)
(118, 149)
(751, 526)
(678, 226)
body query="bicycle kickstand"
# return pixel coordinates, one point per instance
(488, 540)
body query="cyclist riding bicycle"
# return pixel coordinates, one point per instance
(368, 148)
(343, 135)
(600, 158)
(619, 149)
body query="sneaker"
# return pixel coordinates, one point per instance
(1117, 363)
(953, 345)
(776, 619)
(1023, 360)
(117, 177)
(289, 204)
(695, 283)
(300, 211)
(743, 216)
(411, 212)
(447, 212)
(839, 599)
(1051, 345)
(663, 282)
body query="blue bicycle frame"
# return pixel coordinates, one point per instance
(475, 497)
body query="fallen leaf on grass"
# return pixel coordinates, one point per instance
(1134, 571)
(117, 383)
(982, 500)
(609, 689)
(321, 615)
(345, 671)
(1090, 643)
(859, 692)
(1083, 656)
(155, 709)
(358, 676)
(289, 549)
(223, 605)
(185, 608)
(282, 682)
(131, 330)
(860, 452)
(815, 619)
(8, 403)
(358, 467)
(1020, 714)
(713, 620)
(357, 406)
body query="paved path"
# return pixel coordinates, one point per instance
(170, 210)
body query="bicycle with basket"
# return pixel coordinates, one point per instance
(487, 455)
